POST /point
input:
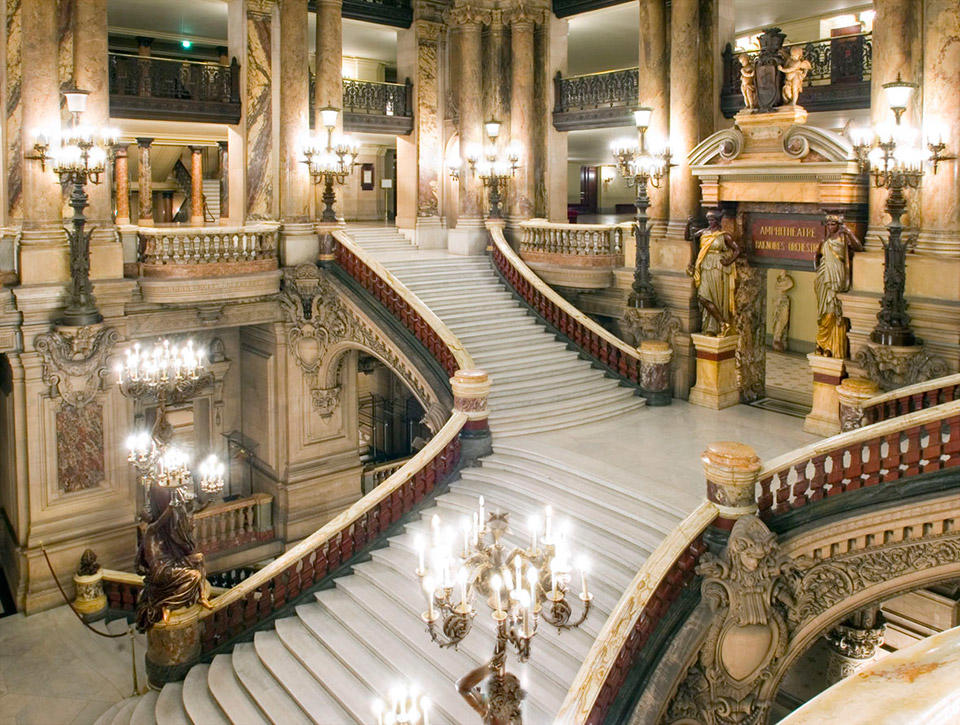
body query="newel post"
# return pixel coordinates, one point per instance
(852, 394)
(732, 470)
(470, 391)
(173, 646)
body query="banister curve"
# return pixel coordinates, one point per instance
(907, 391)
(600, 661)
(530, 277)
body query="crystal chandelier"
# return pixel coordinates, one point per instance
(407, 706)
(521, 586)
(895, 160)
(330, 161)
(640, 166)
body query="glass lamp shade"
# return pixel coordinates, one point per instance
(898, 93)
(492, 129)
(514, 151)
(861, 135)
(329, 116)
(501, 167)
(472, 153)
(76, 100)
(641, 117)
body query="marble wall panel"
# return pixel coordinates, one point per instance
(80, 464)
(13, 111)
(259, 106)
(428, 119)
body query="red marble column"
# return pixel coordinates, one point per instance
(196, 185)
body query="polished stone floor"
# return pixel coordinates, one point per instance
(53, 671)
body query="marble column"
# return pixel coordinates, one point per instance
(940, 198)
(551, 149)
(44, 256)
(469, 237)
(260, 171)
(329, 58)
(166, 206)
(223, 151)
(13, 112)
(428, 117)
(121, 175)
(522, 21)
(684, 112)
(196, 185)
(298, 241)
(897, 29)
(654, 91)
(144, 182)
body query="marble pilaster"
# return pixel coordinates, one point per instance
(940, 202)
(196, 185)
(298, 241)
(44, 256)
(223, 152)
(522, 22)
(654, 91)
(429, 133)
(260, 171)
(551, 151)
(121, 174)
(13, 111)
(144, 181)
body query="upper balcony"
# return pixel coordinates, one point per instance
(174, 90)
(374, 106)
(839, 80)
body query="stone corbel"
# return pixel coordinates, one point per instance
(75, 361)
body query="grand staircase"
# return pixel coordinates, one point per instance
(329, 660)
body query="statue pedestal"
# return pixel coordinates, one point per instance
(173, 646)
(90, 600)
(716, 371)
(764, 132)
(824, 417)
(655, 358)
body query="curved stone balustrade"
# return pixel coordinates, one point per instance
(232, 524)
(578, 256)
(879, 407)
(868, 456)
(610, 351)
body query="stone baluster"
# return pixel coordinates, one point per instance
(196, 185)
(144, 182)
(298, 239)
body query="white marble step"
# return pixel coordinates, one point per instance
(532, 425)
(313, 700)
(520, 378)
(230, 695)
(351, 692)
(271, 698)
(169, 707)
(145, 711)
(565, 404)
(197, 699)
(590, 390)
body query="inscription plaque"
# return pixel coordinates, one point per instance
(783, 240)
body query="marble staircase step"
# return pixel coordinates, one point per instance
(230, 694)
(590, 390)
(565, 404)
(313, 700)
(532, 425)
(271, 698)
(198, 700)
(107, 717)
(169, 707)
(144, 712)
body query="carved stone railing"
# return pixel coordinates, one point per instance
(174, 90)
(920, 442)
(578, 256)
(209, 251)
(839, 79)
(122, 589)
(595, 100)
(234, 524)
(883, 453)
(264, 594)
(911, 398)
(374, 106)
(611, 352)
(375, 475)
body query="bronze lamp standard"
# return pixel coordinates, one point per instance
(494, 169)
(896, 163)
(331, 161)
(80, 156)
(640, 166)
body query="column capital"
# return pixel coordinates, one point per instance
(467, 16)
(428, 30)
(196, 149)
(120, 150)
(223, 145)
(261, 7)
(143, 142)
(523, 15)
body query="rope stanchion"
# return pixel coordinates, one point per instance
(108, 635)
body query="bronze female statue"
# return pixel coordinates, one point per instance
(833, 277)
(714, 274)
(174, 575)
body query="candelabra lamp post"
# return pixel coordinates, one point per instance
(493, 168)
(639, 167)
(896, 163)
(520, 586)
(173, 568)
(406, 706)
(79, 156)
(330, 161)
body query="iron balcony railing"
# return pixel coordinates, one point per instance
(596, 90)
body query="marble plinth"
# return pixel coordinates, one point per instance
(716, 386)
(173, 646)
(824, 417)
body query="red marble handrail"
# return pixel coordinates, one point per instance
(919, 442)
(611, 352)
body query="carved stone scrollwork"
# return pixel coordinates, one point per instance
(75, 361)
(319, 325)
(892, 367)
(750, 588)
(638, 326)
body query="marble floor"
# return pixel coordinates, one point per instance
(53, 671)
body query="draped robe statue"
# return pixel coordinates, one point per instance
(714, 275)
(833, 277)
